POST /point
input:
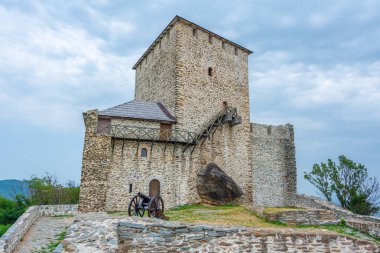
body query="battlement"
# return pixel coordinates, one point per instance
(272, 132)
(274, 167)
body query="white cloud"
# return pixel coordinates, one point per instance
(353, 91)
(50, 71)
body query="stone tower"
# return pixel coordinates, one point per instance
(195, 73)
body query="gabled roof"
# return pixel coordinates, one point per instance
(137, 109)
(187, 22)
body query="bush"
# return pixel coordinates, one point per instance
(47, 191)
(349, 182)
(10, 210)
(4, 228)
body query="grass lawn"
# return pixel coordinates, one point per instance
(229, 215)
(281, 209)
(219, 215)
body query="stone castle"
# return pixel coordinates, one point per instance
(191, 109)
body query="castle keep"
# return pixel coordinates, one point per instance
(191, 108)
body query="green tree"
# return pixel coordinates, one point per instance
(10, 210)
(320, 178)
(350, 183)
(48, 191)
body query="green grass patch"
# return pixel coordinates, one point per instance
(282, 209)
(228, 215)
(53, 244)
(63, 216)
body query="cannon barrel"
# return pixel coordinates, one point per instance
(143, 195)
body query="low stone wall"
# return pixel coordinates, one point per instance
(99, 232)
(304, 217)
(371, 228)
(322, 212)
(15, 233)
(314, 202)
(169, 236)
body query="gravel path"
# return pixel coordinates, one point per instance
(42, 232)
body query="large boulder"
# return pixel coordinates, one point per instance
(216, 187)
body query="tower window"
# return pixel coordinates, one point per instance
(269, 130)
(210, 38)
(195, 32)
(236, 51)
(209, 71)
(224, 45)
(130, 188)
(144, 152)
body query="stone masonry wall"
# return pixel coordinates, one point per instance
(304, 217)
(273, 162)
(95, 166)
(100, 233)
(200, 97)
(176, 74)
(325, 217)
(15, 233)
(172, 237)
(314, 202)
(156, 75)
(364, 223)
(168, 165)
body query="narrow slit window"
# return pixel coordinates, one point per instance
(130, 188)
(269, 130)
(236, 51)
(144, 152)
(195, 32)
(210, 38)
(210, 72)
(224, 45)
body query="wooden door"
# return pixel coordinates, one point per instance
(165, 131)
(154, 188)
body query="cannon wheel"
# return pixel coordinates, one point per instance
(156, 207)
(135, 208)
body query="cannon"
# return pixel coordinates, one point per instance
(140, 203)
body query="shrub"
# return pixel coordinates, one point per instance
(350, 183)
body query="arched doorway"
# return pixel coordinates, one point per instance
(154, 188)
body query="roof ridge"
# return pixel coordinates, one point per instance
(181, 19)
(139, 109)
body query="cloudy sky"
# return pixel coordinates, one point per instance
(316, 64)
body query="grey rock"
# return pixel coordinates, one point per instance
(216, 187)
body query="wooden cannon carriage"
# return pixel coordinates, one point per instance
(140, 203)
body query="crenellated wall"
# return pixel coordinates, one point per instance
(274, 173)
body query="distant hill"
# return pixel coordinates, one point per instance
(9, 188)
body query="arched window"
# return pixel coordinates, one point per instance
(154, 188)
(210, 71)
(144, 152)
